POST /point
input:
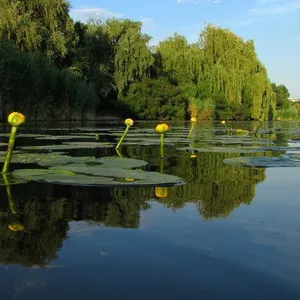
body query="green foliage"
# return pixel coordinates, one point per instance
(207, 109)
(297, 107)
(282, 96)
(132, 57)
(289, 113)
(180, 61)
(221, 70)
(153, 99)
(42, 26)
(33, 85)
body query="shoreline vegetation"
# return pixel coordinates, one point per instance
(54, 68)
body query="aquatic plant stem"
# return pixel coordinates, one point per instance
(10, 198)
(10, 148)
(123, 136)
(119, 153)
(192, 128)
(161, 165)
(162, 140)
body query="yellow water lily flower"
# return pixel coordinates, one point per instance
(161, 192)
(16, 119)
(128, 122)
(16, 227)
(162, 128)
(223, 122)
(193, 156)
(129, 179)
(193, 119)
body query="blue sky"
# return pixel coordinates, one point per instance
(274, 25)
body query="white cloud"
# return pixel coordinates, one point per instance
(86, 13)
(275, 9)
(197, 1)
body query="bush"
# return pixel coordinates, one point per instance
(287, 114)
(153, 99)
(33, 85)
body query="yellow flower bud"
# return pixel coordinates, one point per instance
(161, 192)
(193, 119)
(129, 179)
(193, 155)
(16, 119)
(223, 122)
(128, 122)
(162, 128)
(16, 227)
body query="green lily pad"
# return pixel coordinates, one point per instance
(11, 180)
(121, 163)
(105, 171)
(63, 137)
(69, 146)
(219, 149)
(275, 148)
(263, 162)
(45, 159)
(242, 131)
(97, 176)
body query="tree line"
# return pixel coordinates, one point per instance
(54, 68)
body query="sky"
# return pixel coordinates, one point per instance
(274, 25)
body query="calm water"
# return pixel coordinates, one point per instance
(229, 232)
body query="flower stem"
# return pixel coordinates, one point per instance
(10, 148)
(123, 136)
(162, 139)
(119, 153)
(192, 128)
(9, 194)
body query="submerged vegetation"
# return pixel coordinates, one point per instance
(53, 68)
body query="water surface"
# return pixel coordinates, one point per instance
(230, 232)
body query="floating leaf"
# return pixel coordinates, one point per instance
(242, 131)
(64, 137)
(45, 159)
(121, 163)
(69, 146)
(11, 180)
(219, 149)
(88, 175)
(265, 162)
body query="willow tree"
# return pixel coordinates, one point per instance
(232, 69)
(94, 59)
(182, 64)
(38, 26)
(132, 57)
(179, 61)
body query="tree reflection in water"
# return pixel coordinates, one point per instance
(45, 210)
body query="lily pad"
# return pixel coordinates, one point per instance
(9, 179)
(45, 159)
(98, 176)
(63, 137)
(121, 163)
(219, 149)
(69, 146)
(263, 162)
